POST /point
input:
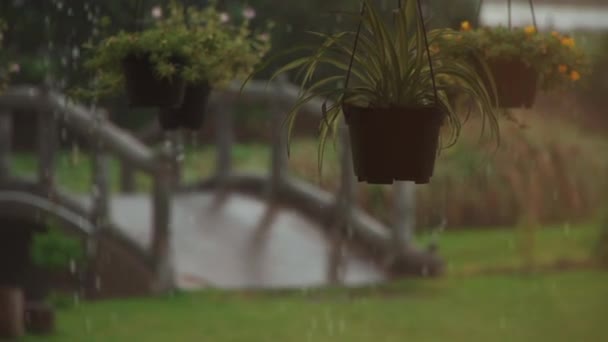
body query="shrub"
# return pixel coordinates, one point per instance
(54, 251)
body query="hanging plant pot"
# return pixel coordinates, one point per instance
(516, 82)
(391, 144)
(145, 89)
(191, 113)
(39, 318)
(11, 313)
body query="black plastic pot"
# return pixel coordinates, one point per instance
(391, 144)
(145, 89)
(516, 82)
(191, 113)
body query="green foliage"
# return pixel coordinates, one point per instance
(60, 301)
(53, 250)
(554, 56)
(390, 69)
(194, 44)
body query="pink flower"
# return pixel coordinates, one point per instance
(249, 13)
(14, 68)
(157, 12)
(264, 37)
(224, 17)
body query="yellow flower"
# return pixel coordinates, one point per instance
(562, 68)
(569, 42)
(530, 30)
(556, 34)
(465, 26)
(575, 75)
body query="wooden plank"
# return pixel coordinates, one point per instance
(6, 136)
(224, 138)
(47, 148)
(101, 180)
(278, 161)
(161, 218)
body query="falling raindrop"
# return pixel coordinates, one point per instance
(72, 266)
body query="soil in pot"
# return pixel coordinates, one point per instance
(191, 113)
(11, 312)
(396, 143)
(145, 89)
(516, 82)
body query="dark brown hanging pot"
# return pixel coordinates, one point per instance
(145, 89)
(191, 113)
(394, 143)
(398, 143)
(516, 82)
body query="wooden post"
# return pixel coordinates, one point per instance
(6, 135)
(127, 177)
(175, 148)
(278, 162)
(101, 179)
(344, 205)
(47, 148)
(161, 219)
(404, 194)
(224, 138)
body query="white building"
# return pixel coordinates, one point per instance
(562, 15)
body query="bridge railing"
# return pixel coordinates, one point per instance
(106, 140)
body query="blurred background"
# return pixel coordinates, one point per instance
(522, 228)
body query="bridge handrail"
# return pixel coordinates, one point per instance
(104, 137)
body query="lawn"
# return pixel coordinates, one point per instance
(468, 304)
(550, 307)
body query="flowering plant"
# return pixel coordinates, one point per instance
(554, 56)
(198, 45)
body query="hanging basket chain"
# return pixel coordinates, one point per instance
(428, 51)
(532, 11)
(426, 43)
(352, 56)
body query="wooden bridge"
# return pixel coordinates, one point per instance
(231, 230)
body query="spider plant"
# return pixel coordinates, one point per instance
(387, 66)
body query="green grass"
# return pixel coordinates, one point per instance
(479, 250)
(465, 305)
(554, 307)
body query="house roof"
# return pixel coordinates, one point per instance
(563, 15)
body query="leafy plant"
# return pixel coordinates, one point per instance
(53, 250)
(194, 44)
(554, 56)
(390, 68)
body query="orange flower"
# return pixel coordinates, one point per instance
(562, 68)
(567, 41)
(434, 49)
(575, 75)
(465, 26)
(556, 34)
(530, 30)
